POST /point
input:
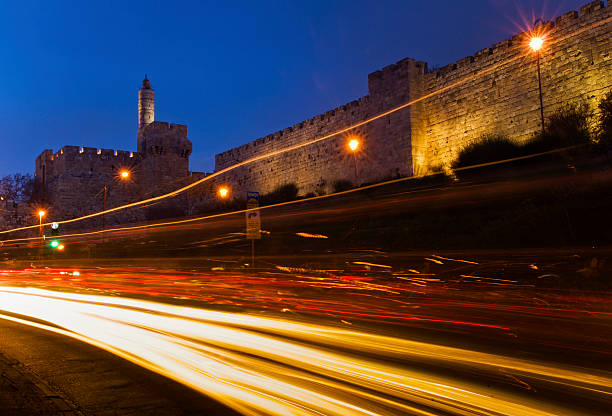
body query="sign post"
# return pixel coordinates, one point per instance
(253, 222)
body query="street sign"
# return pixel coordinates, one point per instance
(253, 218)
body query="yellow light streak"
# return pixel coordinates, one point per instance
(328, 136)
(267, 366)
(299, 201)
(372, 264)
(308, 235)
(449, 259)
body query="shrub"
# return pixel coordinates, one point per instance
(569, 126)
(489, 148)
(604, 122)
(160, 212)
(342, 185)
(283, 193)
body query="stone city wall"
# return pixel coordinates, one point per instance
(74, 179)
(494, 91)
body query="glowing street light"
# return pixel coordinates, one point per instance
(124, 174)
(536, 43)
(41, 214)
(223, 192)
(353, 145)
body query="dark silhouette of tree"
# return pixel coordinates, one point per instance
(17, 187)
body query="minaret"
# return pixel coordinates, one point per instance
(146, 104)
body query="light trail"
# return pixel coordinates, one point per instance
(266, 366)
(350, 128)
(280, 204)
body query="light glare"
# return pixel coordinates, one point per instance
(536, 43)
(223, 192)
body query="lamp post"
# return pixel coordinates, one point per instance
(41, 214)
(123, 175)
(353, 145)
(536, 43)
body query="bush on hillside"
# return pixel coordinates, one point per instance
(284, 193)
(489, 148)
(604, 122)
(342, 185)
(569, 126)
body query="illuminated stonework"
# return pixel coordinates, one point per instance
(493, 91)
(70, 180)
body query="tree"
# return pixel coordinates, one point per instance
(17, 187)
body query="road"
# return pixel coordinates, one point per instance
(429, 333)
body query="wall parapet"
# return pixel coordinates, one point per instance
(327, 116)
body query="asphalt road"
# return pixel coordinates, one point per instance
(49, 374)
(428, 334)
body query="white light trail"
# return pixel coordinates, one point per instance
(266, 366)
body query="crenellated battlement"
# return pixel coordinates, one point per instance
(493, 90)
(163, 127)
(516, 43)
(282, 137)
(70, 179)
(81, 152)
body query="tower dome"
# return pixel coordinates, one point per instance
(146, 84)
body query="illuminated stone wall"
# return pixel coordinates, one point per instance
(496, 89)
(72, 179)
(493, 91)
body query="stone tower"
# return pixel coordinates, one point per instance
(163, 147)
(146, 104)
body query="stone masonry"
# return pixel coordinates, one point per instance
(493, 91)
(71, 181)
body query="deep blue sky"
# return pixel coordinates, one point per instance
(70, 71)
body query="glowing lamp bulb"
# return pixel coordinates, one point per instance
(353, 144)
(223, 192)
(60, 247)
(124, 174)
(41, 213)
(54, 244)
(536, 43)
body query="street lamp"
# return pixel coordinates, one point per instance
(536, 43)
(223, 192)
(41, 214)
(124, 174)
(353, 145)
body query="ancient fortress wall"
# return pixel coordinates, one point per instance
(75, 176)
(385, 145)
(494, 91)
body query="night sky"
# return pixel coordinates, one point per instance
(70, 71)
